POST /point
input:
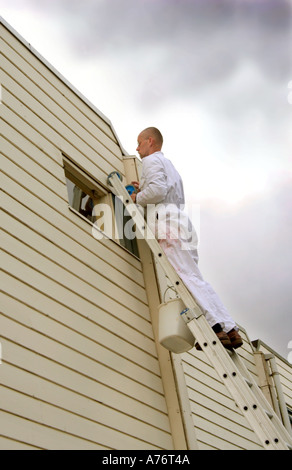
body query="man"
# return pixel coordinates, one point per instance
(161, 187)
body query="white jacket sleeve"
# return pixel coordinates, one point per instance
(153, 182)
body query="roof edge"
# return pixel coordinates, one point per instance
(63, 79)
(257, 343)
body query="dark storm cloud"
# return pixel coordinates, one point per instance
(177, 46)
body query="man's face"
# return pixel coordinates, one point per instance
(143, 145)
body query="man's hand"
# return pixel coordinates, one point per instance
(137, 186)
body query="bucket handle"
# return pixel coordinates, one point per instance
(172, 288)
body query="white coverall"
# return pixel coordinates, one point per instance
(161, 191)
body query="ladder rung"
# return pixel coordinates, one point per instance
(269, 414)
(249, 383)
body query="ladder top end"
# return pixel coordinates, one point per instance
(112, 174)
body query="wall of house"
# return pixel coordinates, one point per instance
(284, 368)
(79, 362)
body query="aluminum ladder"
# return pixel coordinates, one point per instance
(231, 370)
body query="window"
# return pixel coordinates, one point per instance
(101, 208)
(80, 200)
(83, 191)
(124, 227)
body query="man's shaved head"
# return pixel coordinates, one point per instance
(154, 133)
(149, 141)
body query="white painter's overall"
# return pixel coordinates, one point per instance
(163, 195)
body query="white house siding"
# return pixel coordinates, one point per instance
(218, 423)
(285, 372)
(79, 364)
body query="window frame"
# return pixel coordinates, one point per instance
(80, 176)
(99, 194)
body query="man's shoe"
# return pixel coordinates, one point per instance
(235, 339)
(223, 337)
(225, 340)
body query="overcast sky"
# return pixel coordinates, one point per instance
(215, 77)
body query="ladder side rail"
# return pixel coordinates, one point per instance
(145, 232)
(238, 388)
(260, 397)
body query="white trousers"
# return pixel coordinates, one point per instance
(184, 258)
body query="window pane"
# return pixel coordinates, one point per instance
(126, 231)
(80, 200)
(83, 199)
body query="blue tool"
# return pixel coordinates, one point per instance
(131, 189)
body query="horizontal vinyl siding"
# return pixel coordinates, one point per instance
(45, 76)
(217, 421)
(79, 363)
(75, 265)
(285, 371)
(43, 101)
